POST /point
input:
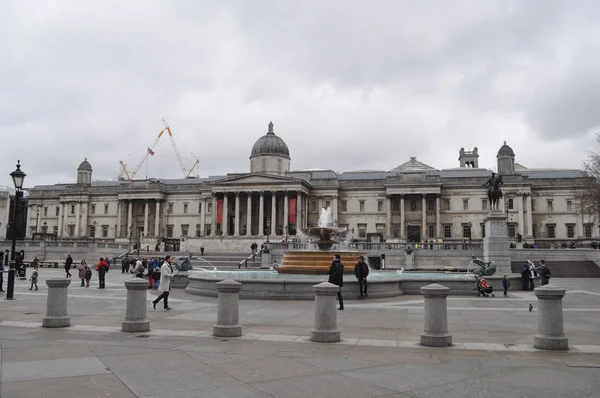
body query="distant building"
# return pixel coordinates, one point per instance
(411, 202)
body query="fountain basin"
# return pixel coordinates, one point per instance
(316, 262)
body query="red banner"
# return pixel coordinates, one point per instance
(292, 210)
(219, 211)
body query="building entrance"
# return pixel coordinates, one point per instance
(413, 233)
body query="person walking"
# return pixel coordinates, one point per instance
(505, 284)
(68, 263)
(164, 287)
(532, 275)
(361, 271)
(82, 272)
(545, 272)
(35, 264)
(88, 275)
(336, 276)
(102, 269)
(33, 279)
(202, 250)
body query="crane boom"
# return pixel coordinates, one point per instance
(186, 172)
(131, 175)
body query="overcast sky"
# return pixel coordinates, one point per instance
(348, 84)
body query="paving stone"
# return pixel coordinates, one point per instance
(70, 387)
(50, 369)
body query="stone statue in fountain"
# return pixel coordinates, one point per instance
(486, 268)
(182, 263)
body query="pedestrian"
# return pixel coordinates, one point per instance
(88, 275)
(82, 272)
(68, 263)
(525, 276)
(102, 268)
(149, 270)
(532, 275)
(139, 269)
(505, 284)
(124, 265)
(33, 279)
(361, 271)
(166, 273)
(35, 264)
(336, 276)
(156, 277)
(545, 272)
(202, 250)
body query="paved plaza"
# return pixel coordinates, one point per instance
(378, 356)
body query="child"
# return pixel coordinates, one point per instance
(33, 280)
(505, 284)
(82, 272)
(88, 275)
(156, 277)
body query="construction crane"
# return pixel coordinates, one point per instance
(187, 173)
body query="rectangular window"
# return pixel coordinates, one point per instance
(431, 230)
(185, 209)
(209, 207)
(170, 231)
(45, 211)
(92, 231)
(198, 230)
(447, 204)
(170, 208)
(484, 203)
(395, 205)
(313, 206)
(327, 204)
(71, 230)
(72, 209)
(93, 209)
(534, 231)
(512, 230)
(430, 206)
(465, 204)
(551, 228)
(55, 229)
(185, 229)
(362, 230)
(448, 231)
(511, 204)
(380, 205)
(587, 230)
(569, 206)
(570, 231)
(380, 228)
(361, 205)
(105, 209)
(482, 230)
(396, 230)
(343, 205)
(550, 206)
(532, 205)
(207, 229)
(44, 229)
(57, 211)
(32, 230)
(105, 231)
(466, 231)
(199, 207)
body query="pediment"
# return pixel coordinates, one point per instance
(256, 179)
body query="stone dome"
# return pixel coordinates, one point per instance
(270, 145)
(505, 150)
(85, 166)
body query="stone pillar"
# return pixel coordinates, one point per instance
(438, 218)
(213, 215)
(261, 214)
(273, 214)
(77, 218)
(249, 215)
(424, 216)
(157, 219)
(521, 215)
(28, 221)
(236, 215)
(286, 210)
(496, 245)
(402, 219)
(119, 216)
(388, 219)
(56, 304)
(224, 221)
(228, 310)
(202, 215)
(298, 212)
(550, 333)
(435, 330)
(325, 330)
(84, 220)
(334, 210)
(146, 213)
(60, 217)
(129, 218)
(137, 306)
(529, 217)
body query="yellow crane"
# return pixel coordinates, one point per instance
(187, 173)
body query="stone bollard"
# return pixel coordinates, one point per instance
(550, 334)
(56, 304)
(228, 312)
(325, 330)
(435, 333)
(137, 306)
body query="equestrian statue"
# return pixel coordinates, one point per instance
(494, 192)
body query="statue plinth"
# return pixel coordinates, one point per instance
(496, 245)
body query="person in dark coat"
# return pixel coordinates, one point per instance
(102, 268)
(68, 263)
(525, 276)
(361, 271)
(545, 273)
(505, 284)
(336, 276)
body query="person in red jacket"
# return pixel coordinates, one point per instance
(102, 269)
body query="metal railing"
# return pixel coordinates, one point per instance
(244, 262)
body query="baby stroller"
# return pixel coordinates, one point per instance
(483, 288)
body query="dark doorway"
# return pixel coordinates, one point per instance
(413, 233)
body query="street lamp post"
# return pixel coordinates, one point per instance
(18, 177)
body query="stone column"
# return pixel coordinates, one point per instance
(298, 212)
(388, 222)
(325, 330)
(213, 222)
(550, 333)
(137, 306)
(423, 215)
(286, 210)
(228, 310)
(28, 221)
(56, 304)
(236, 224)
(402, 219)
(146, 213)
(118, 231)
(129, 218)
(202, 215)
(60, 217)
(224, 223)
(438, 218)
(77, 218)
(157, 219)
(435, 330)
(273, 213)
(84, 219)
(334, 209)
(261, 214)
(249, 215)
(529, 217)
(521, 215)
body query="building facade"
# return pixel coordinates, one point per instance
(411, 202)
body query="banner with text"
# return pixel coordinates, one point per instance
(292, 210)
(219, 211)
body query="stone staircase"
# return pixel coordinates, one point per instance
(224, 260)
(566, 269)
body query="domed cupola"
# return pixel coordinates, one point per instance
(506, 160)
(84, 173)
(270, 154)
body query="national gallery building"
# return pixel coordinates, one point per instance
(411, 202)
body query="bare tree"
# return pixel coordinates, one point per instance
(587, 190)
